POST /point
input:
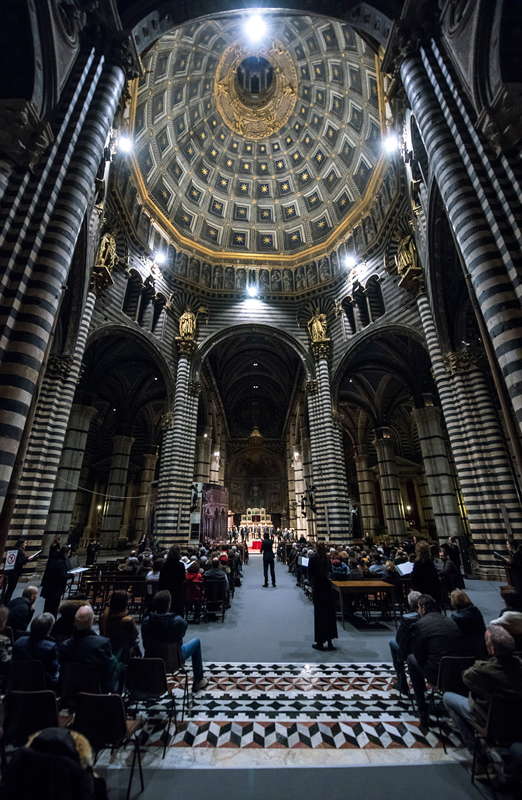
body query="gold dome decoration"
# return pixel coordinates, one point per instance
(247, 121)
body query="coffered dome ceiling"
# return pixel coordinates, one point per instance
(262, 152)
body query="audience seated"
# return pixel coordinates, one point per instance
(434, 636)
(401, 646)
(86, 647)
(470, 622)
(21, 610)
(338, 570)
(64, 625)
(500, 675)
(216, 572)
(161, 627)
(119, 627)
(5, 643)
(38, 646)
(55, 764)
(511, 616)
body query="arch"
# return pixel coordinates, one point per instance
(142, 339)
(264, 330)
(362, 339)
(375, 298)
(149, 25)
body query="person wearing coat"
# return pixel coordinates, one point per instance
(172, 579)
(325, 624)
(54, 579)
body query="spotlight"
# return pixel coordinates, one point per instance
(390, 143)
(205, 435)
(99, 508)
(254, 28)
(252, 291)
(124, 144)
(350, 262)
(160, 257)
(216, 453)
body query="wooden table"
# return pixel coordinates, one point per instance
(358, 588)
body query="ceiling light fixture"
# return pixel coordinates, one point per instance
(252, 291)
(124, 144)
(390, 143)
(160, 257)
(350, 262)
(255, 28)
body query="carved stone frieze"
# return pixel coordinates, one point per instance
(312, 386)
(186, 347)
(463, 360)
(23, 136)
(321, 349)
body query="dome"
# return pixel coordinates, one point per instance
(264, 151)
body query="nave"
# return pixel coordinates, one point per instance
(291, 706)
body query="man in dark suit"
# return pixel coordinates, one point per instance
(267, 551)
(86, 647)
(434, 636)
(400, 647)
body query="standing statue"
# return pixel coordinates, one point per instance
(317, 328)
(187, 325)
(406, 258)
(107, 255)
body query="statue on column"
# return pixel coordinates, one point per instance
(317, 328)
(187, 325)
(107, 256)
(407, 263)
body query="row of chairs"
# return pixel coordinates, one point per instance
(105, 719)
(503, 724)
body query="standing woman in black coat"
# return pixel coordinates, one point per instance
(424, 576)
(54, 579)
(325, 625)
(172, 577)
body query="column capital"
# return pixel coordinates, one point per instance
(186, 347)
(321, 349)
(418, 21)
(383, 435)
(167, 420)
(101, 280)
(194, 388)
(463, 360)
(59, 366)
(123, 440)
(84, 410)
(312, 387)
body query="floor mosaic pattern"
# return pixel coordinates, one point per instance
(339, 706)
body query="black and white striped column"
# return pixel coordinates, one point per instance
(46, 440)
(116, 490)
(366, 485)
(27, 317)
(481, 254)
(389, 483)
(143, 500)
(203, 445)
(177, 457)
(333, 518)
(68, 476)
(481, 459)
(439, 476)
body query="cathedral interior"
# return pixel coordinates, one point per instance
(261, 265)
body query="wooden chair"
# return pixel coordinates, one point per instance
(502, 728)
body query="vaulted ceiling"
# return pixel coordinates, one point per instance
(278, 187)
(255, 377)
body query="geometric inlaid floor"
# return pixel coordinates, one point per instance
(332, 706)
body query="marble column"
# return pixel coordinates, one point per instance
(366, 484)
(116, 490)
(333, 518)
(177, 456)
(438, 472)
(143, 499)
(68, 475)
(203, 447)
(390, 483)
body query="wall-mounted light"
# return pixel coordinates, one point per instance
(160, 257)
(252, 290)
(390, 143)
(350, 262)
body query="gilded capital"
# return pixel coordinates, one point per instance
(463, 360)
(321, 349)
(186, 347)
(312, 387)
